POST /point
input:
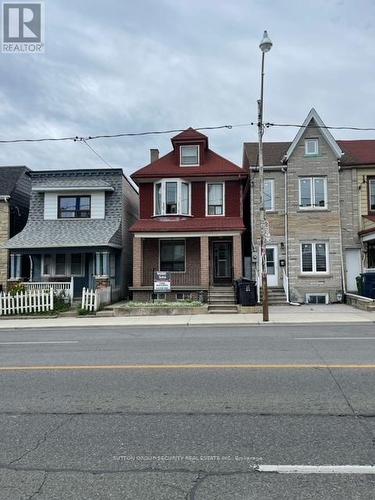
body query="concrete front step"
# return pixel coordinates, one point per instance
(223, 309)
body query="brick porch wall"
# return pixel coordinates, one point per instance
(151, 262)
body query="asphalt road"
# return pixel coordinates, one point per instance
(187, 413)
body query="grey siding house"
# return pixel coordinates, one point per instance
(15, 185)
(313, 191)
(78, 228)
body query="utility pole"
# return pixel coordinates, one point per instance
(265, 46)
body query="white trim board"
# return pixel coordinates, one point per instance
(181, 235)
(313, 115)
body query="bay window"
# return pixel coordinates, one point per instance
(313, 193)
(215, 198)
(371, 195)
(314, 258)
(172, 197)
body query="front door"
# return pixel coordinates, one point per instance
(222, 262)
(272, 266)
(353, 268)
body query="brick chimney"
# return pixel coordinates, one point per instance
(154, 155)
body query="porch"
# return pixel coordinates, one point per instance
(194, 262)
(68, 269)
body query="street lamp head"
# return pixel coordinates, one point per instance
(266, 44)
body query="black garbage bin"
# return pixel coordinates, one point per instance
(247, 293)
(368, 285)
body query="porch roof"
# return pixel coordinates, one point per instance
(67, 233)
(178, 224)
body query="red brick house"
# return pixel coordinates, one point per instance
(191, 219)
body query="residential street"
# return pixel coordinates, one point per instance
(142, 423)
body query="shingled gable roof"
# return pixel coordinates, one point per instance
(167, 166)
(9, 177)
(359, 152)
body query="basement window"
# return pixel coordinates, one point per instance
(312, 298)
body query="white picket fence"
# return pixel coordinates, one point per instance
(65, 288)
(93, 299)
(89, 299)
(28, 302)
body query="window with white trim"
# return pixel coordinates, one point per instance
(63, 264)
(215, 198)
(314, 258)
(313, 193)
(269, 195)
(311, 147)
(172, 197)
(189, 156)
(314, 298)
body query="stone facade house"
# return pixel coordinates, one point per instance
(15, 185)
(78, 229)
(191, 220)
(320, 207)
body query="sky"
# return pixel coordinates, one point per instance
(133, 66)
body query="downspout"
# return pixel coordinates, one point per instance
(285, 170)
(343, 277)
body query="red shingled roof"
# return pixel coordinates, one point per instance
(214, 165)
(361, 152)
(188, 224)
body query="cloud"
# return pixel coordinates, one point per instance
(135, 66)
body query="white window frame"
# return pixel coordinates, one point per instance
(308, 295)
(163, 207)
(312, 191)
(315, 141)
(215, 215)
(272, 181)
(313, 252)
(173, 239)
(198, 155)
(68, 267)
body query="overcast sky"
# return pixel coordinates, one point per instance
(130, 66)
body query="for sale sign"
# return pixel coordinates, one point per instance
(162, 281)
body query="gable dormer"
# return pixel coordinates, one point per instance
(190, 148)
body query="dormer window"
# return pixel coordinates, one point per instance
(311, 147)
(172, 197)
(189, 156)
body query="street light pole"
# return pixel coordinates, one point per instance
(265, 46)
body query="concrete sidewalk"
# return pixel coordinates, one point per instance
(335, 313)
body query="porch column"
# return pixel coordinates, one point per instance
(237, 257)
(137, 261)
(105, 263)
(15, 266)
(12, 266)
(97, 264)
(205, 262)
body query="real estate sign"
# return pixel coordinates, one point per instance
(162, 281)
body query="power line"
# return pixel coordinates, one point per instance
(83, 141)
(77, 138)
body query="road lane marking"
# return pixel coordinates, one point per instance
(334, 338)
(317, 469)
(41, 342)
(192, 367)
